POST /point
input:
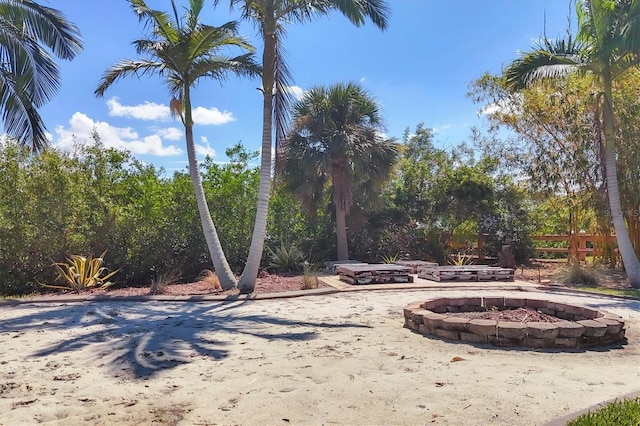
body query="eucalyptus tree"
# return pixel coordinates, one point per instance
(271, 17)
(335, 143)
(607, 45)
(182, 51)
(29, 76)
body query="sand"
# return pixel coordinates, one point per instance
(334, 359)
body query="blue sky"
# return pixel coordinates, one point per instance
(419, 70)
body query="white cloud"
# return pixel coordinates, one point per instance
(146, 111)
(151, 111)
(205, 116)
(81, 127)
(170, 133)
(204, 148)
(296, 91)
(442, 128)
(511, 105)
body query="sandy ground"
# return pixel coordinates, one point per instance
(333, 359)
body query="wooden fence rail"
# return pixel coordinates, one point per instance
(578, 245)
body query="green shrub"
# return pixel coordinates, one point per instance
(578, 275)
(286, 258)
(82, 273)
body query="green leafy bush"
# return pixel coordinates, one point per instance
(286, 258)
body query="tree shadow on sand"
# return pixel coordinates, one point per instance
(140, 340)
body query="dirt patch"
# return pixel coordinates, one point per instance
(265, 283)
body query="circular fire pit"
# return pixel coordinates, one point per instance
(573, 326)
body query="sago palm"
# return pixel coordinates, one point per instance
(334, 144)
(608, 45)
(29, 76)
(271, 17)
(183, 51)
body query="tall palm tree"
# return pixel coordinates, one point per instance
(336, 142)
(29, 76)
(183, 51)
(608, 44)
(271, 17)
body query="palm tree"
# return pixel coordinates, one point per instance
(608, 44)
(29, 76)
(271, 17)
(336, 142)
(182, 51)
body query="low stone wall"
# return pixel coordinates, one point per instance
(579, 327)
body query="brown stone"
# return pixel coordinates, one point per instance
(566, 342)
(446, 334)
(454, 324)
(482, 327)
(504, 341)
(531, 342)
(432, 320)
(512, 330)
(412, 325)
(453, 308)
(587, 313)
(416, 315)
(430, 305)
(568, 329)
(511, 302)
(443, 301)
(536, 303)
(542, 330)
(565, 315)
(490, 302)
(613, 326)
(558, 307)
(593, 328)
(472, 338)
(457, 301)
(473, 301)
(424, 330)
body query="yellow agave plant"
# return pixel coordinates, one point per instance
(80, 273)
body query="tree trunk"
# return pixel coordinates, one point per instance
(341, 233)
(250, 273)
(222, 269)
(629, 257)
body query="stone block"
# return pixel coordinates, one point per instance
(558, 307)
(490, 302)
(472, 338)
(454, 324)
(512, 302)
(548, 311)
(457, 301)
(430, 305)
(542, 330)
(453, 308)
(566, 342)
(416, 316)
(440, 309)
(613, 326)
(536, 303)
(412, 325)
(531, 342)
(565, 315)
(446, 334)
(425, 330)
(567, 329)
(482, 327)
(433, 320)
(473, 301)
(504, 341)
(443, 301)
(593, 328)
(587, 313)
(575, 310)
(512, 330)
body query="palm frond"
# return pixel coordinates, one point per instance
(126, 68)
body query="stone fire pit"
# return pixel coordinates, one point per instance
(575, 326)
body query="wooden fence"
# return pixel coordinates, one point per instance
(577, 245)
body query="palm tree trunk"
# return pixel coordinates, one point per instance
(629, 257)
(220, 264)
(341, 233)
(250, 273)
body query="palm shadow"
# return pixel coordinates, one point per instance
(139, 340)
